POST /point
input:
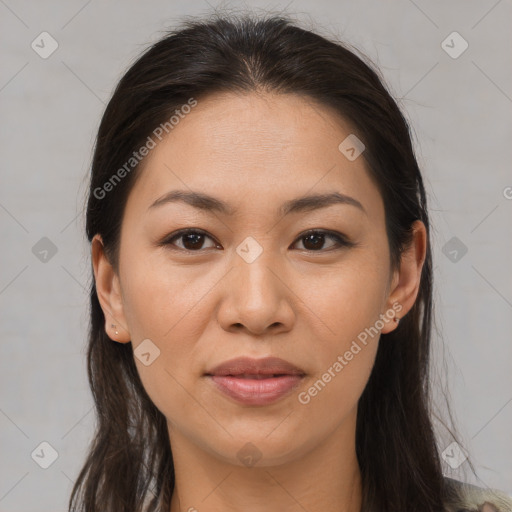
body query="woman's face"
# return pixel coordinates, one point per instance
(253, 283)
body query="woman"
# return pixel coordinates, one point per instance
(261, 304)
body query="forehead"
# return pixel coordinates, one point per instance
(255, 152)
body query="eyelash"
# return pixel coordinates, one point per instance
(338, 237)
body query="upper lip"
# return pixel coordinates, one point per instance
(249, 366)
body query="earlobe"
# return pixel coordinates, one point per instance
(406, 282)
(108, 291)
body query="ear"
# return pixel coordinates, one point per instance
(109, 293)
(406, 280)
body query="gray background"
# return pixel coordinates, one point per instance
(50, 110)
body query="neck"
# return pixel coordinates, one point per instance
(324, 478)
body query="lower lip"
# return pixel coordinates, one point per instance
(256, 391)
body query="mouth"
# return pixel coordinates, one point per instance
(256, 382)
(255, 368)
(256, 376)
(256, 390)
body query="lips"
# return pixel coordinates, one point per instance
(255, 381)
(255, 368)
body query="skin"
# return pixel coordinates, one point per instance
(302, 302)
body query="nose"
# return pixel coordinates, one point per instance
(256, 297)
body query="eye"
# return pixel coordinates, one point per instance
(193, 240)
(315, 239)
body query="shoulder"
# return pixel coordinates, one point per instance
(463, 497)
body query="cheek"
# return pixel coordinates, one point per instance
(346, 345)
(165, 307)
(344, 299)
(160, 299)
(344, 310)
(169, 306)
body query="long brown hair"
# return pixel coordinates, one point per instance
(129, 464)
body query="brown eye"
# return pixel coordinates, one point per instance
(314, 240)
(192, 240)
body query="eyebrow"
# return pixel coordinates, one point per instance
(209, 203)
